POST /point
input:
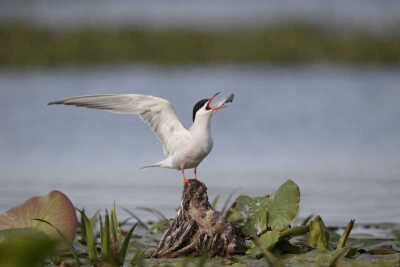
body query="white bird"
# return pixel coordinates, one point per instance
(184, 148)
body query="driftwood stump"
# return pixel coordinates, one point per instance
(198, 228)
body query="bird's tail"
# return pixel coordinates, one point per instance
(150, 166)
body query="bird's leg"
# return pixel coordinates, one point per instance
(195, 174)
(184, 178)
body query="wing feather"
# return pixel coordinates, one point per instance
(157, 112)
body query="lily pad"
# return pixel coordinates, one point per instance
(54, 208)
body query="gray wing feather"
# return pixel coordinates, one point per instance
(157, 112)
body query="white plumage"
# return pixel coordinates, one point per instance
(185, 148)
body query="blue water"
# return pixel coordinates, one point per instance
(334, 130)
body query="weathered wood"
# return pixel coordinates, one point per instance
(198, 228)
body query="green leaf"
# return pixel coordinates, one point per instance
(25, 247)
(267, 241)
(283, 206)
(115, 236)
(125, 244)
(105, 236)
(318, 237)
(65, 239)
(295, 231)
(255, 214)
(115, 225)
(90, 237)
(94, 218)
(250, 213)
(256, 223)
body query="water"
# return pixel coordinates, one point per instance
(209, 13)
(333, 130)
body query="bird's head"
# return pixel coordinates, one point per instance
(203, 107)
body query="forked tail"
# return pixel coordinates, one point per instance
(150, 166)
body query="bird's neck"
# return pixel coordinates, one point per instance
(202, 125)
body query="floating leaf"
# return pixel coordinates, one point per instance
(283, 206)
(318, 237)
(54, 208)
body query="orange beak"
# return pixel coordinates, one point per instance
(209, 102)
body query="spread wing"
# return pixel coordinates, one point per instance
(157, 112)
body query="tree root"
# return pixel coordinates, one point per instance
(198, 228)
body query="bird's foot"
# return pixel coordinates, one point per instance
(185, 180)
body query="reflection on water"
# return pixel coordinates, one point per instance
(332, 130)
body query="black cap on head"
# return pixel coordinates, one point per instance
(198, 106)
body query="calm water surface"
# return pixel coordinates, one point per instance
(333, 130)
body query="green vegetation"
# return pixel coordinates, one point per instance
(269, 223)
(112, 249)
(287, 43)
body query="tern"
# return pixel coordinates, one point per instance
(184, 148)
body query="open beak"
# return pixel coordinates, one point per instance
(209, 102)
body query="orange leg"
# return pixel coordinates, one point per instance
(184, 178)
(195, 174)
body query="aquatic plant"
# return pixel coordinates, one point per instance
(55, 208)
(269, 224)
(113, 249)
